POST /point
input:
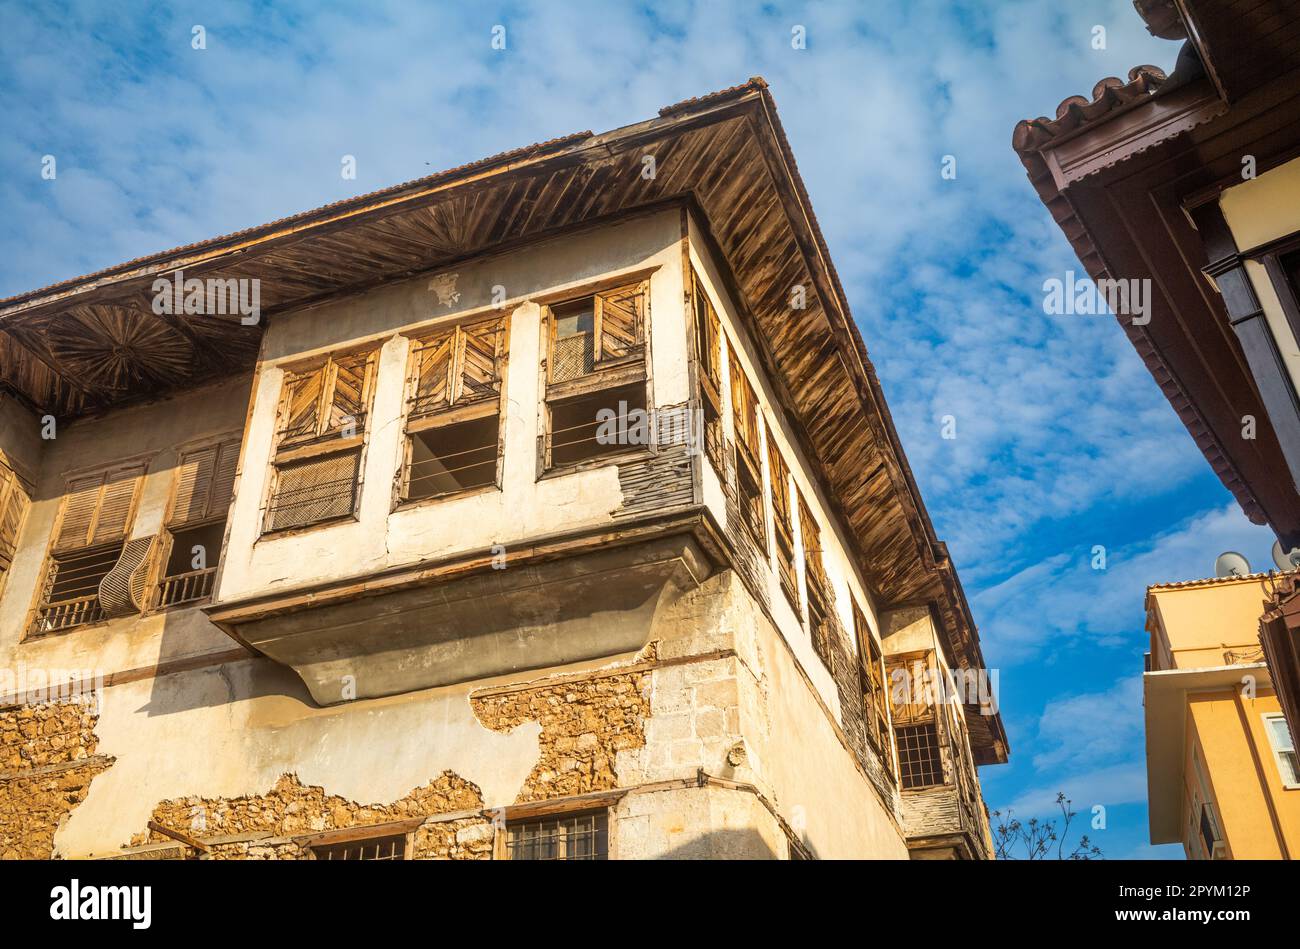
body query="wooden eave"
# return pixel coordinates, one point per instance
(1119, 184)
(725, 154)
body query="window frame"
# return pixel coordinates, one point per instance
(221, 444)
(745, 417)
(359, 836)
(324, 441)
(458, 410)
(607, 373)
(15, 503)
(920, 710)
(604, 827)
(783, 523)
(135, 469)
(1292, 784)
(707, 350)
(875, 692)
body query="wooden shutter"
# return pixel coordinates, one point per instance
(205, 482)
(13, 504)
(123, 589)
(457, 366)
(744, 409)
(478, 360)
(352, 378)
(300, 404)
(708, 335)
(315, 489)
(620, 316)
(433, 358)
(116, 505)
(910, 681)
(814, 568)
(97, 508)
(79, 507)
(780, 477)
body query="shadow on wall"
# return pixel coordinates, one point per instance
(176, 644)
(733, 844)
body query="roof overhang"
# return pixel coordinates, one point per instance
(1165, 695)
(1120, 174)
(725, 154)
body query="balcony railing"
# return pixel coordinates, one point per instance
(66, 614)
(186, 587)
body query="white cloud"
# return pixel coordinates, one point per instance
(1063, 602)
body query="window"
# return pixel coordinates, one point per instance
(565, 837)
(453, 419)
(596, 377)
(1279, 736)
(819, 628)
(814, 567)
(919, 762)
(322, 421)
(875, 703)
(918, 730)
(196, 523)
(13, 505)
(708, 355)
(375, 848)
(783, 523)
(820, 599)
(1209, 835)
(749, 483)
(92, 570)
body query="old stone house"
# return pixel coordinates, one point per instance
(544, 508)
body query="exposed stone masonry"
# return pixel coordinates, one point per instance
(47, 761)
(584, 725)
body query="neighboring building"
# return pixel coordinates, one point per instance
(1222, 773)
(549, 508)
(1186, 189)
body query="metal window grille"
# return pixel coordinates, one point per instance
(378, 848)
(919, 762)
(569, 837)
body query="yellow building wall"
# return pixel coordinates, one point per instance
(1198, 625)
(1260, 818)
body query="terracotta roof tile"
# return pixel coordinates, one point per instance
(1076, 112)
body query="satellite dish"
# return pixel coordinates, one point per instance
(1285, 561)
(1231, 564)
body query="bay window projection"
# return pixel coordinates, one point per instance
(319, 441)
(453, 419)
(596, 377)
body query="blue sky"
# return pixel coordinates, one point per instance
(1063, 441)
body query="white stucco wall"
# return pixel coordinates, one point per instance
(525, 506)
